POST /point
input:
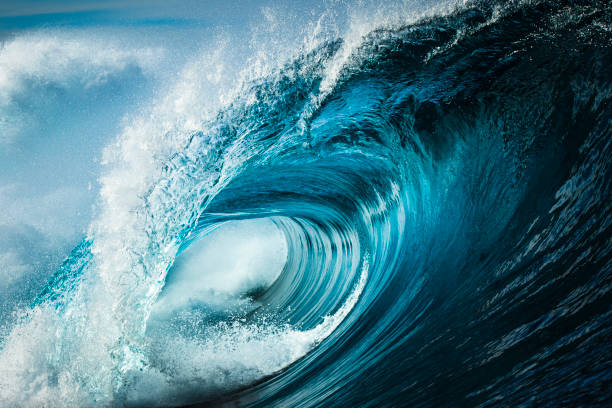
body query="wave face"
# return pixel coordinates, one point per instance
(419, 218)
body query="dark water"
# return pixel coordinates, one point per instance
(444, 207)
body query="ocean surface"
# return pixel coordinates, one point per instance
(378, 207)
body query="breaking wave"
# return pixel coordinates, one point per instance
(417, 217)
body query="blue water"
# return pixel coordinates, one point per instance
(409, 210)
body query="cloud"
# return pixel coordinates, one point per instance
(52, 60)
(54, 214)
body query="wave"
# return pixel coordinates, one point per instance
(420, 217)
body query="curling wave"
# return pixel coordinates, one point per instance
(419, 219)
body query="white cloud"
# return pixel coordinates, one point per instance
(60, 60)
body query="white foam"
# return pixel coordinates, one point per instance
(235, 258)
(228, 355)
